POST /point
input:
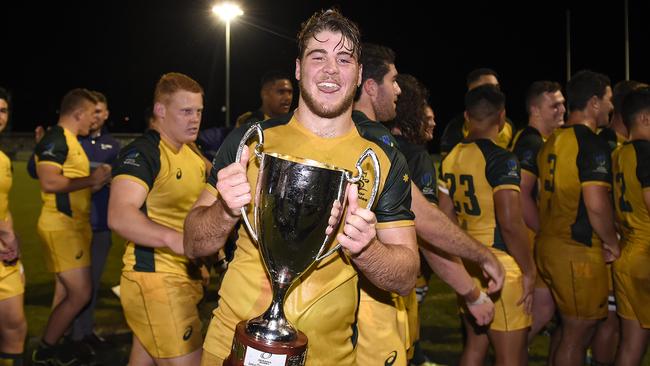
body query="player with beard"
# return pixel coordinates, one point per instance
(384, 332)
(378, 242)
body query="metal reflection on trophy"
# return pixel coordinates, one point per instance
(291, 210)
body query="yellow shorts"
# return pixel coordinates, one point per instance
(539, 283)
(66, 249)
(383, 326)
(576, 275)
(632, 284)
(11, 280)
(508, 316)
(161, 310)
(209, 359)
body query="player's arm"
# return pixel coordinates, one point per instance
(528, 204)
(214, 215)
(388, 257)
(451, 270)
(9, 249)
(126, 218)
(52, 180)
(433, 226)
(508, 214)
(601, 217)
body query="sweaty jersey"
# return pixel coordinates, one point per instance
(471, 174)
(323, 303)
(457, 130)
(173, 180)
(573, 157)
(6, 179)
(70, 210)
(631, 172)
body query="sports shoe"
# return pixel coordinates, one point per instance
(43, 356)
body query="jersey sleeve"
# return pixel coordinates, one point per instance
(53, 148)
(526, 149)
(139, 161)
(643, 163)
(502, 168)
(225, 156)
(394, 202)
(594, 161)
(423, 174)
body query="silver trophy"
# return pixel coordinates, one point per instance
(292, 206)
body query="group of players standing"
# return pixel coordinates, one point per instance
(173, 208)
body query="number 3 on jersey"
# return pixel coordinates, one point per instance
(624, 205)
(467, 181)
(549, 184)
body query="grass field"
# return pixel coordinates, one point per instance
(440, 326)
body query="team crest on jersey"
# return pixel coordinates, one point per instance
(386, 140)
(49, 150)
(527, 155)
(601, 164)
(512, 168)
(131, 158)
(427, 179)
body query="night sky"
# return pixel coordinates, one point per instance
(122, 47)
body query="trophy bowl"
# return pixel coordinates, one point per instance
(292, 207)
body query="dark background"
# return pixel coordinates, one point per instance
(122, 47)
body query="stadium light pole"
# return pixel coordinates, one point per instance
(227, 12)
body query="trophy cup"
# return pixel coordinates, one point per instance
(292, 206)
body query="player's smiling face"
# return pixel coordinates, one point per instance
(329, 74)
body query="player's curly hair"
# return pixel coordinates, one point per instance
(410, 118)
(332, 20)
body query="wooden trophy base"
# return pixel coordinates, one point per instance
(249, 351)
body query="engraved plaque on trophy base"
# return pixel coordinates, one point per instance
(248, 351)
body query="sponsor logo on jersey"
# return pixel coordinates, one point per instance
(79, 254)
(188, 333)
(131, 158)
(392, 357)
(179, 173)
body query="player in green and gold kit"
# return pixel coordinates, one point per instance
(458, 128)
(577, 235)
(378, 242)
(156, 180)
(545, 105)
(479, 187)
(631, 171)
(13, 327)
(64, 224)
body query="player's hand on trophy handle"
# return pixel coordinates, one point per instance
(232, 184)
(359, 228)
(335, 215)
(495, 273)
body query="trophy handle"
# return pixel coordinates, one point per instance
(255, 128)
(371, 201)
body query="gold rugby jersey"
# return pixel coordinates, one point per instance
(6, 179)
(631, 173)
(70, 210)
(173, 180)
(471, 174)
(323, 303)
(573, 157)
